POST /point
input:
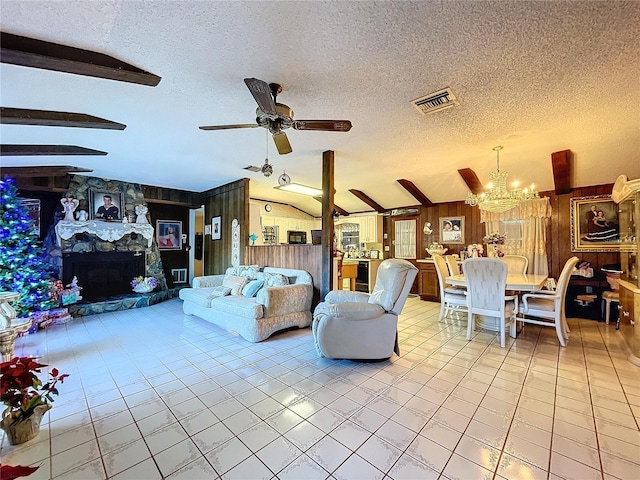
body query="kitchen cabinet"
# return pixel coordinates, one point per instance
(428, 287)
(370, 229)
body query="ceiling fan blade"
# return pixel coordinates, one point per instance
(228, 127)
(282, 143)
(326, 125)
(262, 94)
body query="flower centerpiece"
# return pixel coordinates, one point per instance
(493, 240)
(20, 390)
(144, 284)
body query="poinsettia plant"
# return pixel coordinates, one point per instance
(20, 388)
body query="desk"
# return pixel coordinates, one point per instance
(515, 281)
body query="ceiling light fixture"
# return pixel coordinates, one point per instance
(301, 189)
(267, 169)
(496, 198)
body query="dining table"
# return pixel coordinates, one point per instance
(516, 282)
(519, 282)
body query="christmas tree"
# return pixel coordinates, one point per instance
(22, 269)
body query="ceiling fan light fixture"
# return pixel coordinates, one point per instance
(497, 198)
(301, 189)
(284, 179)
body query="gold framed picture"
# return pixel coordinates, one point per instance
(594, 224)
(452, 230)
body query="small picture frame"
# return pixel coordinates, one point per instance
(33, 207)
(216, 228)
(169, 234)
(105, 205)
(452, 230)
(595, 226)
(374, 254)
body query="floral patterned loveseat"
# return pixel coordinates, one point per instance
(255, 318)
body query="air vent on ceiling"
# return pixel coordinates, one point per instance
(252, 168)
(440, 100)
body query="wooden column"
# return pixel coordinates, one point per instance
(327, 222)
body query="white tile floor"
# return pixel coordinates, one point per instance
(156, 394)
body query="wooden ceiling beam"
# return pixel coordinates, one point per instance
(410, 187)
(10, 150)
(43, 171)
(49, 118)
(471, 179)
(368, 200)
(341, 211)
(561, 164)
(30, 52)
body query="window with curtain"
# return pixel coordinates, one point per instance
(525, 226)
(405, 239)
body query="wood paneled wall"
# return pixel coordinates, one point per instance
(228, 202)
(558, 230)
(300, 257)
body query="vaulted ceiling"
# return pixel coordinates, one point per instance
(535, 77)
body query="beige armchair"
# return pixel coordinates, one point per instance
(358, 326)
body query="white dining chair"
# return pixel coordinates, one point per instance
(548, 307)
(452, 265)
(486, 280)
(516, 263)
(451, 298)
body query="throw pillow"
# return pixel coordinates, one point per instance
(220, 291)
(235, 283)
(249, 271)
(275, 280)
(252, 287)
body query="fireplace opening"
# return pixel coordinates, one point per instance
(102, 274)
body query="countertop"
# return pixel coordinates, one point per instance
(356, 260)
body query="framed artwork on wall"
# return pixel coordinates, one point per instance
(105, 205)
(33, 207)
(452, 230)
(169, 234)
(216, 228)
(594, 224)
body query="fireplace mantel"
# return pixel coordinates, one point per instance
(108, 231)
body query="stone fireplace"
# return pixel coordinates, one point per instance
(104, 258)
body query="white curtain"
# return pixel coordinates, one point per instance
(534, 216)
(405, 239)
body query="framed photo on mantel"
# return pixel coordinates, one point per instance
(105, 205)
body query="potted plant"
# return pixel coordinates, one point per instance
(25, 396)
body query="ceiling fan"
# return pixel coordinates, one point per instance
(277, 117)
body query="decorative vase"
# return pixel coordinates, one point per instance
(142, 288)
(20, 430)
(492, 250)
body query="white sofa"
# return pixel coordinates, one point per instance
(254, 318)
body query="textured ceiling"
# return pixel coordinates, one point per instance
(535, 77)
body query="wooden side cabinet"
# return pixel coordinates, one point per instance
(629, 302)
(428, 287)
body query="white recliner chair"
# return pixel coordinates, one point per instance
(358, 326)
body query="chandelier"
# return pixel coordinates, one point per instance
(496, 198)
